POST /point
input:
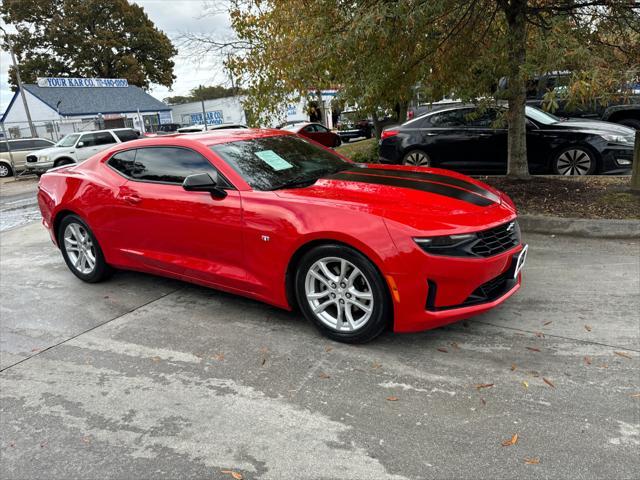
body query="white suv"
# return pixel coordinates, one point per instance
(77, 147)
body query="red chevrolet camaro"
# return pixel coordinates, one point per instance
(276, 217)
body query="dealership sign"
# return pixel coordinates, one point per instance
(213, 118)
(82, 82)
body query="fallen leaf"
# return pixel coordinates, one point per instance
(539, 334)
(443, 350)
(155, 359)
(525, 384)
(480, 386)
(512, 441)
(86, 439)
(513, 367)
(587, 360)
(455, 345)
(324, 375)
(106, 296)
(547, 323)
(533, 373)
(533, 349)
(35, 349)
(604, 365)
(587, 328)
(376, 365)
(548, 382)
(483, 401)
(393, 399)
(328, 349)
(264, 360)
(218, 356)
(622, 354)
(635, 395)
(531, 461)
(236, 475)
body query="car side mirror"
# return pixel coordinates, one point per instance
(80, 144)
(204, 182)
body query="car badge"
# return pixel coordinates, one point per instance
(511, 226)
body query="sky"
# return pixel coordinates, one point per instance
(172, 17)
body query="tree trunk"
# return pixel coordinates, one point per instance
(377, 126)
(635, 172)
(516, 14)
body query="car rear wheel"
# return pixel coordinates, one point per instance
(81, 250)
(416, 158)
(337, 142)
(342, 293)
(574, 161)
(5, 170)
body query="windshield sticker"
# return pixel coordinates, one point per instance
(274, 160)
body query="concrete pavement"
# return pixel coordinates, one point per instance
(152, 378)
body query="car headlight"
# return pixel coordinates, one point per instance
(446, 244)
(624, 139)
(42, 158)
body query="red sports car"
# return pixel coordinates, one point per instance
(317, 132)
(273, 216)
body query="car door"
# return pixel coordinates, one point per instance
(165, 227)
(91, 143)
(445, 138)
(488, 132)
(324, 136)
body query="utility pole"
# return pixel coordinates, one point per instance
(34, 134)
(204, 113)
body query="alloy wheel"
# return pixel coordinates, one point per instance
(80, 248)
(417, 158)
(339, 294)
(4, 171)
(574, 162)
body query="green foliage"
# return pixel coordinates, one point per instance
(363, 151)
(88, 38)
(204, 93)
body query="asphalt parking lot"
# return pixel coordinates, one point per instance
(143, 377)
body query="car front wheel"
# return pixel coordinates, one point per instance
(574, 161)
(342, 293)
(5, 170)
(81, 250)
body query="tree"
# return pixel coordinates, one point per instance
(376, 51)
(88, 38)
(204, 93)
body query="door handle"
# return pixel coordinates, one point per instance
(132, 199)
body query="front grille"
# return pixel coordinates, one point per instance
(487, 292)
(32, 158)
(496, 240)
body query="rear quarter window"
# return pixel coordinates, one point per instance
(126, 135)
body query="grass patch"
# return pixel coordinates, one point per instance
(578, 197)
(363, 151)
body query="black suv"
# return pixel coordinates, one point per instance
(625, 111)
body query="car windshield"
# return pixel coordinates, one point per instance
(68, 141)
(282, 161)
(539, 116)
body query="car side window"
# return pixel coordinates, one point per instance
(126, 135)
(162, 164)
(41, 144)
(310, 128)
(321, 129)
(451, 118)
(481, 119)
(97, 139)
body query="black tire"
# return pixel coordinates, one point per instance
(573, 161)
(5, 170)
(337, 143)
(101, 269)
(63, 161)
(416, 158)
(381, 309)
(630, 122)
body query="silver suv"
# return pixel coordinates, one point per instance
(77, 147)
(13, 153)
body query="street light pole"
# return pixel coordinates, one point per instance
(19, 80)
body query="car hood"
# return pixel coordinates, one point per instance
(420, 199)
(50, 151)
(595, 125)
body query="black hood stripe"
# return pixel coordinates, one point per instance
(429, 177)
(424, 186)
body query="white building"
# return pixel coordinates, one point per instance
(63, 105)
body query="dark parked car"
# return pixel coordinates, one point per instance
(465, 138)
(351, 125)
(624, 110)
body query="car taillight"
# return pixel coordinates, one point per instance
(389, 133)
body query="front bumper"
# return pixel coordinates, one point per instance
(617, 159)
(38, 166)
(442, 290)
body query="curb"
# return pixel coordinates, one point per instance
(580, 227)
